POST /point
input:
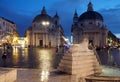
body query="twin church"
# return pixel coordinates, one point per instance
(46, 31)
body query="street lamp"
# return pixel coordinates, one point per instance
(45, 23)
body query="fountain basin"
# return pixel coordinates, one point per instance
(110, 74)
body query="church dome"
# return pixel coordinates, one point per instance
(43, 16)
(90, 15)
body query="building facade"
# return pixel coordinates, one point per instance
(45, 31)
(112, 40)
(8, 30)
(89, 25)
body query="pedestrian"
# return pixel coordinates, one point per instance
(4, 57)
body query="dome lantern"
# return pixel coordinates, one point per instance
(43, 17)
(90, 7)
(43, 11)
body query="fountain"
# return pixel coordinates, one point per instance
(80, 64)
(80, 61)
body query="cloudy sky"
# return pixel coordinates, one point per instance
(22, 12)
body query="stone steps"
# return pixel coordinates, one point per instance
(79, 57)
(80, 64)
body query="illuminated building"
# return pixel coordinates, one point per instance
(45, 31)
(90, 25)
(8, 30)
(112, 40)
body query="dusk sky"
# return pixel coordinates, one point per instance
(22, 12)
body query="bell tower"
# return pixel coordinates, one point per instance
(56, 19)
(75, 18)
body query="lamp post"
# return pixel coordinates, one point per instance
(45, 24)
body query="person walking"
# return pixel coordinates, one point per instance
(4, 57)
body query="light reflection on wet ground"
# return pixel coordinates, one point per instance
(41, 59)
(48, 59)
(31, 58)
(44, 59)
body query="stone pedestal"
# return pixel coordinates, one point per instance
(80, 61)
(82, 65)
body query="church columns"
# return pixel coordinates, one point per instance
(46, 40)
(40, 39)
(96, 39)
(31, 39)
(104, 38)
(35, 39)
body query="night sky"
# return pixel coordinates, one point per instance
(22, 12)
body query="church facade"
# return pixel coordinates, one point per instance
(45, 31)
(89, 25)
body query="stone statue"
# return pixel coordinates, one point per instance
(79, 48)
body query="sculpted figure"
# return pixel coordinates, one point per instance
(83, 46)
